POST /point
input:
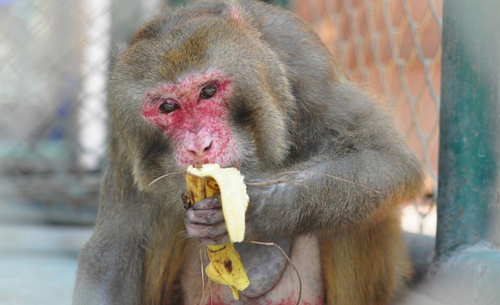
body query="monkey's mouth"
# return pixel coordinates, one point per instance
(199, 163)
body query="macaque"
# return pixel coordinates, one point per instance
(248, 85)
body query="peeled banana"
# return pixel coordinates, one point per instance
(225, 265)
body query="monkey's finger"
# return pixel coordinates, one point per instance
(208, 217)
(201, 231)
(208, 203)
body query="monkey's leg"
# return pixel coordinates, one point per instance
(364, 266)
(264, 264)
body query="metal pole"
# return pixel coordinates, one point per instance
(176, 2)
(284, 3)
(469, 151)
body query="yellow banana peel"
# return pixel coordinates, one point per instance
(225, 265)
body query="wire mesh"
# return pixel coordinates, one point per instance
(393, 50)
(55, 57)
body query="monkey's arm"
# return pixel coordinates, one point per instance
(110, 264)
(110, 268)
(333, 192)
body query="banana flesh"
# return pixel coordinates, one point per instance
(225, 265)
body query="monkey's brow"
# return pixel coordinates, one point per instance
(190, 54)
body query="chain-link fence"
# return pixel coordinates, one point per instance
(392, 48)
(55, 57)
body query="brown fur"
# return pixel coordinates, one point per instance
(162, 267)
(342, 166)
(372, 260)
(188, 55)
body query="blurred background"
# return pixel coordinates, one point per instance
(54, 63)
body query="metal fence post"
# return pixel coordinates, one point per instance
(469, 152)
(176, 2)
(284, 3)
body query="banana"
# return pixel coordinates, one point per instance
(225, 265)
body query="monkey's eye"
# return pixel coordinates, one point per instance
(167, 107)
(208, 91)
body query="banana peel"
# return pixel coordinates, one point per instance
(225, 265)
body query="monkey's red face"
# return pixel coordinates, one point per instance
(193, 114)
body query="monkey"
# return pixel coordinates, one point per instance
(248, 85)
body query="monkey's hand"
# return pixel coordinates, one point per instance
(205, 221)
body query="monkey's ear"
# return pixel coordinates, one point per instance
(235, 11)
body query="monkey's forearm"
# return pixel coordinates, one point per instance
(109, 270)
(110, 265)
(332, 193)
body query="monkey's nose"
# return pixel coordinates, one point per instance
(199, 148)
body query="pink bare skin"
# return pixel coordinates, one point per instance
(193, 114)
(262, 263)
(197, 126)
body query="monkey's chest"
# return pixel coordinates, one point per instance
(272, 282)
